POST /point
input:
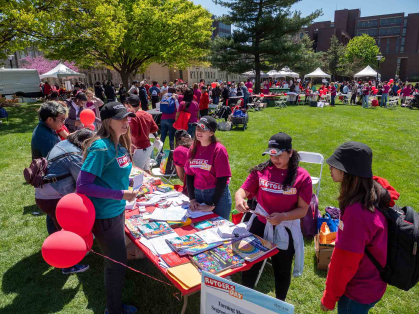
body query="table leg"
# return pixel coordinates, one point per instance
(185, 304)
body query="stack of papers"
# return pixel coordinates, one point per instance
(172, 213)
(197, 214)
(228, 232)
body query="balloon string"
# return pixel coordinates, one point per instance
(137, 271)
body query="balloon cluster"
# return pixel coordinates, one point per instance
(76, 215)
(87, 117)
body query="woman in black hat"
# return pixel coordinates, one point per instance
(104, 178)
(283, 191)
(353, 281)
(208, 171)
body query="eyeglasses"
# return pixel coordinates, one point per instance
(62, 120)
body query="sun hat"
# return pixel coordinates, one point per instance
(354, 158)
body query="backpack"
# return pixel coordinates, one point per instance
(168, 105)
(402, 266)
(35, 173)
(309, 221)
(3, 113)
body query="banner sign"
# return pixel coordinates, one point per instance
(221, 296)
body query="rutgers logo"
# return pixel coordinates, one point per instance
(123, 161)
(273, 152)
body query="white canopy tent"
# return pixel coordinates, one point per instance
(286, 72)
(368, 71)
(61, 71)
(272, 73)
(317, 73)
(253, 74)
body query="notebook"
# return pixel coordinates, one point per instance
(218, 259)
(212, 223)
(253, 247)
(155, 229)
(132, 223)
(190, 244)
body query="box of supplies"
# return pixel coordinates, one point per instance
(323, 253)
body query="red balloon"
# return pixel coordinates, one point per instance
(63, 249)
(87, 116)
(90, 126)
(213, 85)
(89, 240)
(250, 90)
(262, 95)
(285, 94)
(76, 213)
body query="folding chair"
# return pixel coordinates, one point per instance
(166, 178)
(157, 148)
(314, 158)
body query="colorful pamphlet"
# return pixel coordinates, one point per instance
(190, 244)
(253, 247)
(218, 259)
(213, 222)
(155, 229)
(173, 259)
(133, 223)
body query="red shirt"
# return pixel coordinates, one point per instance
(47, 89)
(141, 126)
(351, 272)
(267, 186)
(63, 128)
(203, 104)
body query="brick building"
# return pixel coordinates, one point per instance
(396, 34)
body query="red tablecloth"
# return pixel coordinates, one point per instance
(184, 231)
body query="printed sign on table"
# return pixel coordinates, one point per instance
(219, 295)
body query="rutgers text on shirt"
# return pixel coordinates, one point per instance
(275, 187)
(123, 161)
(200, 164)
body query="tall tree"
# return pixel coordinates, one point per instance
(363, 49)
(263, 34)
(169, 32)
(336, 57)
(306, 60)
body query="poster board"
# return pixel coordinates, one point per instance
(68, 85)
(219, 295)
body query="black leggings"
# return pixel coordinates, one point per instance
(281, 263)
(353, 99)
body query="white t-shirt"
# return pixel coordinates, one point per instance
(164, 90)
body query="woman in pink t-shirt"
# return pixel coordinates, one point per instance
(208, 171)
(191, 106)
(353, 281)
(180, 155)
(283, 191)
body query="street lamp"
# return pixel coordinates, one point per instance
(10, 57)
(379, 57)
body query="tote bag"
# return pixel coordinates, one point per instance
(182, 122)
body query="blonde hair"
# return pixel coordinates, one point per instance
(106, 131)
(90, 91)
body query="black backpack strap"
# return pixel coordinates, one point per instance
(64, 155)
(410, 214)
(373, 260)
(55, 179)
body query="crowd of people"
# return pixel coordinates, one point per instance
(98, 162)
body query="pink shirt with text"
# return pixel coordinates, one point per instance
(210, 162)
(180, 156)
(361, 228)
(267, 186)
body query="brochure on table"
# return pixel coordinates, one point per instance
(219, 295)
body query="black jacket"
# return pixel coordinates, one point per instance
(109, 92)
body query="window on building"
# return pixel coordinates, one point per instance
(364, 24)
(370, 32)
(388, 45)
(398, 66)
(397, 44)
(379, 42)
(389, 31)
(404, 31)
(405, 22)
(391, 21)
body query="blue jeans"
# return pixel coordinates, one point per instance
(384, 98)
(365, 101)
(246, 101)
(223, 207)
(191, 130)
(349, 306)
(332, 101)
(215, 100)
(166, 126)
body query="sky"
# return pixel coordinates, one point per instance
(367, 7)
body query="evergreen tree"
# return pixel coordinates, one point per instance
(263, 35)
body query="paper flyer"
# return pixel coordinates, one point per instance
(219, 295)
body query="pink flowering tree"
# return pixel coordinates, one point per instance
(43, 65)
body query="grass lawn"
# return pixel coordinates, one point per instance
(29, 285)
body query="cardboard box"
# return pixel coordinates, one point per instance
(323, 253)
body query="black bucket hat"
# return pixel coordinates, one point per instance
(354, 158)
(278, 143)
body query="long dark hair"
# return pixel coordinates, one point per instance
(193, 148)
(366, 191)
(293, 165)
(80, 137)
(188, 98)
